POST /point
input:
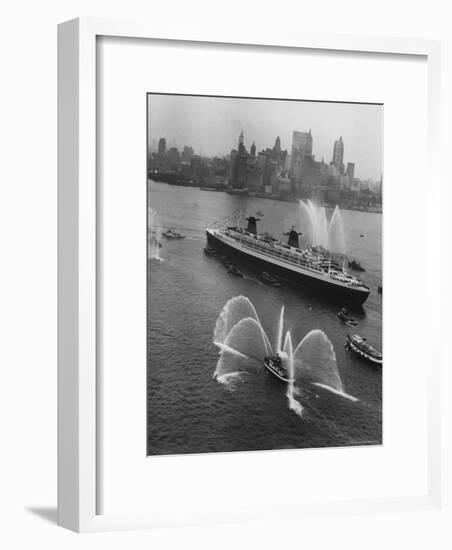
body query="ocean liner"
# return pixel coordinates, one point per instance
(312, 267)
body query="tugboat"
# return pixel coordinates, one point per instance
(275, 366)
(360, 347)
(209, 251)
(356, 265)
(171, 234)
(226, 262)
(234, 270)
(268, 279)
(346, 318)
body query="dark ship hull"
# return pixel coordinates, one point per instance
(326, 288)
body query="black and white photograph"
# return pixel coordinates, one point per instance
(264, 274)
(206, 264)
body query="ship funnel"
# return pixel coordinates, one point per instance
(293, 238)
(251, 227)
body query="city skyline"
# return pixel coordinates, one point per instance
(188, 121)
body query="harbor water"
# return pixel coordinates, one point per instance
(189, 411)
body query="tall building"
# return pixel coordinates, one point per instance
(277, 149)
(162, 146)
(302, 143)
(350, 172)
(301, 151)
(196, 165)
(255, 179)
(173, 157)
(241, 149)
(187, 153)
(262, 159)
(338, 155)
(240, 166)
(240, 172)
(253, 149)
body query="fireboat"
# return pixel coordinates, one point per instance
(275, 365)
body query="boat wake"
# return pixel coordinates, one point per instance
(295, 405)
(243, 344)
(154, 235)
(156, 259)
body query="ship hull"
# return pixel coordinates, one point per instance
(349, 344)
(339, 294)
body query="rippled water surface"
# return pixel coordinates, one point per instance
(188, 410)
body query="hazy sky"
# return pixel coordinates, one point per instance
(212, 125)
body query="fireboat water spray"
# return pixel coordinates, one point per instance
(243, 345)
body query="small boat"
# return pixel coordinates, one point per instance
(233, 270)
(275, 366)
(360, 347)
(171, 234)
(346, 318)
(209, 251)
(356, 265)
(268, 279)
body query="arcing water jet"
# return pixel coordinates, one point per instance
(243, 345)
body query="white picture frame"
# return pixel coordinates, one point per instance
(78, 465)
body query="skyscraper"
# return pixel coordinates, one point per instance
(240, 172)
(338, 155)
(350, 169)
(253, 149)
(240, 166)
(301, 151)
(162, 146)
(187, 153)
(173, 156)
(277, 150)
(241, 148)
(302, 142)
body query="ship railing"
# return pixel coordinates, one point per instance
(296, 262)
(265, 248)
